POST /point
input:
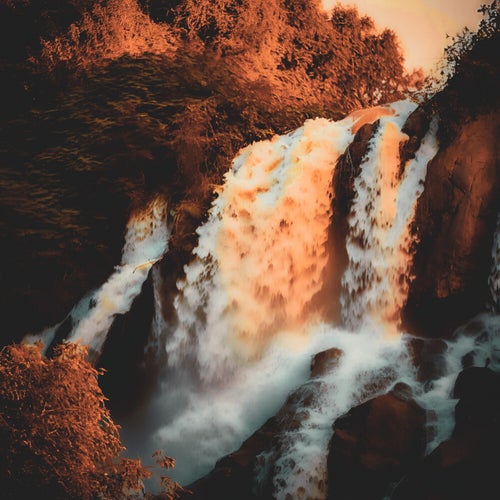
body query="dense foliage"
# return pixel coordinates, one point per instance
(57, 439)
(469, 80)
(464, 42)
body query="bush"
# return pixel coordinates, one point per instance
(57, 438)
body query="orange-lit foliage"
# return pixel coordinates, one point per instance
(110, 30)
(57, 439)
(170, 489)
(299, 49)
(292, 44)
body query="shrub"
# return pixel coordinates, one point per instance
(57, 438)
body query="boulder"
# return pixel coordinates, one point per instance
(325, 361)
(428, 356)
(374, 444)
(466, 465)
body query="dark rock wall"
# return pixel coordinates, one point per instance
(455, 222)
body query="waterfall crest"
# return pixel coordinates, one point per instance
(262, 254)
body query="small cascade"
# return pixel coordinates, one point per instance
(375, 283)
(146, 241)
(369, 365)
(156, 341)
(476, 343)
(494, 278)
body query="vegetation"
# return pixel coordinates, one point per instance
(105, 101)
(469, 81)
(464, 42)
(57, 438)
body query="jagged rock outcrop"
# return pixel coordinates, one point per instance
(374, 444)
(346, 170)
(466, 465)
(128, 379)
(428, 357)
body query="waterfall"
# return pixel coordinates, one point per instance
(247, 320)
(146, 241)
(378, 246)
(494, 278)
(262, 254)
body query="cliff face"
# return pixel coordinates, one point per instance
(457, 212)
(455, 223)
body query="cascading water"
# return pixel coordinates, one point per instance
(494, 278)
(375, 283)
(247, 322)
(261, 255)
(248, 314)
(479, 342)
(146, 241)
(378, 248)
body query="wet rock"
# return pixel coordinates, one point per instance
(415, 127)
(478, 392)
(455, 221)
(374, 444)
(456, 214)
(127, 380)
(347, 169)
(325, 361)
(234, 475)
(465, 466)
(428, 356)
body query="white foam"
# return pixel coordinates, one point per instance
(146, 241)
(370, 364)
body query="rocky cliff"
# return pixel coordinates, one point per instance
(457, 212)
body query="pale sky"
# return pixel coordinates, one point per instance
(421, 25)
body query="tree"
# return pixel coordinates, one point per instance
(57, 438)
